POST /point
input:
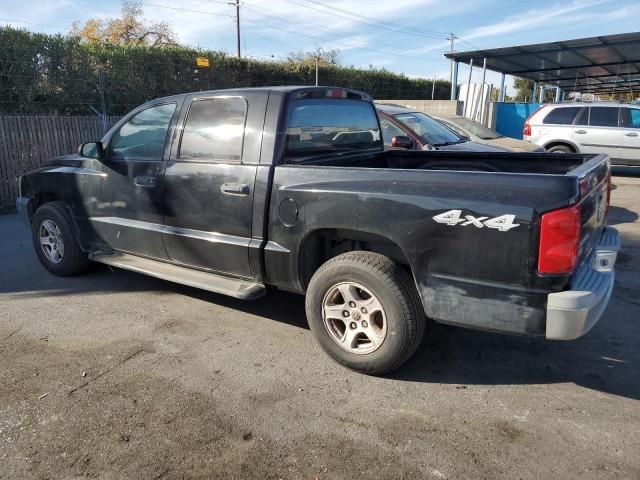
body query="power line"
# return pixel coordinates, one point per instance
(383, 22)
(344, 45)
(315, 25)
(31, 23)
(188, 10)
(374, 23)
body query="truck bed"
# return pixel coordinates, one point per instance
(507, 162)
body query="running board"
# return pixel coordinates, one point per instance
(186, 276)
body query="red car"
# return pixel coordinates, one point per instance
(406, 128)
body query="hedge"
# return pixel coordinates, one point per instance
(42, 73)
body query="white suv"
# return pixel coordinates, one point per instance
(611, 128)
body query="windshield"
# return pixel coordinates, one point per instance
(477, 129)
(329, 125)
(431, 131)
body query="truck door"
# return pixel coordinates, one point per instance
(630, 135)
(209, 181)
(126, 212)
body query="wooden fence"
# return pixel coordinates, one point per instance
(26, 141)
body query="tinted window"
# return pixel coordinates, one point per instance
(214, 129)
(389, 130)
(583, 118)
(561, 116)
(631, 117)
(325, 124)
(430, 130)
(144, 135)
(603, 117)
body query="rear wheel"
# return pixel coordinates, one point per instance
(55, 242)
(365, 312)
(560, 149)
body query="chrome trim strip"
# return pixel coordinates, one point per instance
(78, 171)
(609, 146)
(213, 237)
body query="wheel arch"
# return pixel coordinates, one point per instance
(323, 244)
(43, 197)
(566, 143)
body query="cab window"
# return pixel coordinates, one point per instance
(214, 130)
(322, 125)
(144, 135)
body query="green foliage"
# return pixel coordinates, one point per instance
(524, 89)
(55, 74)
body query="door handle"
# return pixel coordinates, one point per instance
(580, 131)
(631, 134)
(235, 188)
(145, 181)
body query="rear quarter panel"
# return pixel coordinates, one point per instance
(457, 269)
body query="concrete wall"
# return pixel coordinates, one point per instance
(444, 108)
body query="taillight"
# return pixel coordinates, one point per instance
(559, 241)
(527, 126)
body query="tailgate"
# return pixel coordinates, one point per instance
(595, 189)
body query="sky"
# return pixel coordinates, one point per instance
(403, 36)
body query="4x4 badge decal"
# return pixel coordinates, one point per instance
(504, 223)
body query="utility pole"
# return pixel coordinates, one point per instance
(451, 38)
(238, 24)
(103, 105)
(317, 62)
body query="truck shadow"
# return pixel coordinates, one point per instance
(606, 360)
(618, 215)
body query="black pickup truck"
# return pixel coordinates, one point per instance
(231, 191)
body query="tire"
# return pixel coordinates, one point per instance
(560, 149)
(52, 223)
(379, 340)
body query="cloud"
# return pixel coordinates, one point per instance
(531, 19)
(553, 16)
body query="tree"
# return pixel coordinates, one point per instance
(325, 57)
(524, 89)
(129, 29)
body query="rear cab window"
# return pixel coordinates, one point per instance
(561, 116)
(326, 125)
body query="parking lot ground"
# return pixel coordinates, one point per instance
(115, 375)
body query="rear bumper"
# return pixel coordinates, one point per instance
(24, 205)
(572, 313)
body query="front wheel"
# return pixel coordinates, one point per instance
(55, 242)
(365, 312)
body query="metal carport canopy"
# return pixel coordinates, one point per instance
(595, 64)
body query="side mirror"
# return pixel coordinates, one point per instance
(91, 150)
(401, 141)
